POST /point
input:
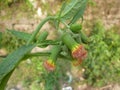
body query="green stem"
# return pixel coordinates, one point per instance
(65, 24)
(55, 52)
(39, 27)
(42, 37)
(38, 54)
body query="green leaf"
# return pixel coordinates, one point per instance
(79, 14)
(13, 59)
(74, 10)
(21, 35)
(5, 80)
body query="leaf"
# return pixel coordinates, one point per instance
(21, 35)
(5, 80)
(78, 15)
(74, 10)
(13, 59)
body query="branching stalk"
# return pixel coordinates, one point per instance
(39, 27)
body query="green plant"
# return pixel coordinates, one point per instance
(103, 64)
(69, 14)
(10, 42)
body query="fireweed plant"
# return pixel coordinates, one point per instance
(71, 11)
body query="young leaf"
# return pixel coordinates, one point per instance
(80, 13)
(74, 10)
(21, 35)
(12, 60)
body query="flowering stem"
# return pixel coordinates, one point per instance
(44, 54)
(54, 52)
(42, 37)
(39, 27)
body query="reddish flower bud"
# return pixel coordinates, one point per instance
(49, 65)
(79, 52)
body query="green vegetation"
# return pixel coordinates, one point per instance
(10, 42)
(97, 53)
(103, 64)
(8, 7)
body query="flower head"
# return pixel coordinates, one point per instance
(49, 65)
(79, 52)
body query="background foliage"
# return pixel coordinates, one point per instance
(103, 64)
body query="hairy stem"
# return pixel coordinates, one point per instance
(39, 27)
(44, 54)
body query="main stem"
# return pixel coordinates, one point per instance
(43, 54)
(39, 27)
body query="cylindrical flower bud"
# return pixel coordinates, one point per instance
(50, 63)
(69, 41)
(76, 28)
(77, 50)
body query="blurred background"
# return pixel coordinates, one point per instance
(100, 16)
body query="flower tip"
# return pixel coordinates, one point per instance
(79, 52)
(49, 66)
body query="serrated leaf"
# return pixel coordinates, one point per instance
(21, 35)
(13, 59)
(74, 10)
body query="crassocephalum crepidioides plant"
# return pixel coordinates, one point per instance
(69, 37)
